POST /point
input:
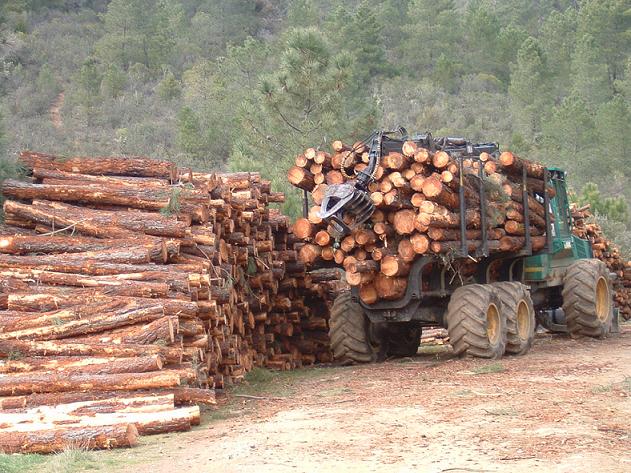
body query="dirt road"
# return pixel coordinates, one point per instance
(565, 407)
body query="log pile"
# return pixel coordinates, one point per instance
(434, 336)
(129, 287)
(416, 195)
(585, 227)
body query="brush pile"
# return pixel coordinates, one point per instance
(416, 193)
(129, 287)
(585, 227)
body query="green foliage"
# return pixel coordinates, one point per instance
(113, 82)
(589, 72)
(613, 208)
(302, 13)
(173, 206)
(190, 139)
(304, 101)
(570, 135)
(169, 87)
(613, 124)
(137, 31)
(528, 88)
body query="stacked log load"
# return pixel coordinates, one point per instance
(416, 195)
(130, 289)
(585, 227)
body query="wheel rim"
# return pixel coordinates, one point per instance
(523, 320)
(493, 325)
(602, 299)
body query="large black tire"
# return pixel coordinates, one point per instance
(403, 339)
(587, 299)
(475, 323)
(518, 309)
(349, 332)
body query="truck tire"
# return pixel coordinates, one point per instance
(587, 299)
(475, 323)
(518, 309)
(403, 339)
(349, 332)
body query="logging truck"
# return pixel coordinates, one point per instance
(489, 282)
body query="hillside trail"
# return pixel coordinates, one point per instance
(564, 407)
(55, 111)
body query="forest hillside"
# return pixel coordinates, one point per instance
(245, 85)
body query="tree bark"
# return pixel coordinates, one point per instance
(25, 348)
(99, 223)
(61, 438)
(114, 166)
(108, 365)
(28, 383)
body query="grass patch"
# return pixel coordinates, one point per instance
(20, 463)
(432, 349)
(604, 388)
(626, 383)
(71, 460)
(463, 393)
(501, 411)
(490, 368)
(336, 392)
(263, 382)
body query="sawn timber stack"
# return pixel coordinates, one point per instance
(130, 287)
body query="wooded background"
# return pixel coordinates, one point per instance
(246, 85)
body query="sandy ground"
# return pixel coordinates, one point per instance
(565, 407)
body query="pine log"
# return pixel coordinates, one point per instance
(394, 266)
(107, 320)
(162, 330)
(515, 228)
(390, 287)
(146, 199)
(404, 221)
(434, 190)
(61, 437)
(514, 165)
(113, 166)
(25, 348)
(420, 243)
(107, 365)
(449, 246)
(301, 178)
(98, 223)
(405, 250)
(368, 294)
(50, 301)
(110, 286)
(514, 243)
(39, 382)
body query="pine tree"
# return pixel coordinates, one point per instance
(365, 41)
(589, 72)
(529, 90)
(137, 31)
(613, 124)
(306, 101)
(570, 140)
(302, 13)
(608, 23)
(614, 208)
(190, 139)
(558, 39)
(433, 31)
